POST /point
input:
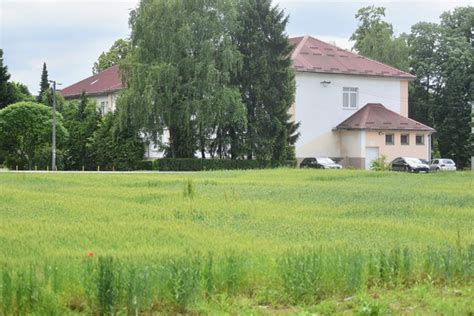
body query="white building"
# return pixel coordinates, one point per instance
(105, 88)
(332, 87)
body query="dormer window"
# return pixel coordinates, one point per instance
(350, 97)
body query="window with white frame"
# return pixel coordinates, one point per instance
(350, 98)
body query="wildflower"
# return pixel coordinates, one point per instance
(90, 254)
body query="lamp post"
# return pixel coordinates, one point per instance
(53, 157)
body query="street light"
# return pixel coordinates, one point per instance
(53, 158)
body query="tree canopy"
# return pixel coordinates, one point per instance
(374, 38)
(178, 75)
(25, 134)
(442, 60)
(44, 83)
(266, 80)
(113, 56)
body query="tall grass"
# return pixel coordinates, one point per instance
(171, 242)
(176, 284)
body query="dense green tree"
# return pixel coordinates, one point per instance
(81, 120)
(178, 74)
(21, 92)
(452, 115)
(266, 80)
(374, 38)
(423, 43)
(442, 60)
(7, 93)
(114, 147)
(25, 135)
(116, 53)
(44, 83)
(47, 99)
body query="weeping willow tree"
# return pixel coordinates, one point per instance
(178, 76)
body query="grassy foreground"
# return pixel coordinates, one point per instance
(249, 242)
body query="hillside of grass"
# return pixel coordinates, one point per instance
(195, 242)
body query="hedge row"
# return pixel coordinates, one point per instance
(195, 164)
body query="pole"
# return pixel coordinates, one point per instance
(53, 158)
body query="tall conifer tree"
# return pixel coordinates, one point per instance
(44, 84)
(266, 80)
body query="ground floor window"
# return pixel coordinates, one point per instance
(405, 139)
(389, 139)
(420, 139)
(103, 107)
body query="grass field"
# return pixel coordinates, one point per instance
(246, 242)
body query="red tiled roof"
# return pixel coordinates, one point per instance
(309, 55)
(313, 55)
(374, 116)
(105, 81)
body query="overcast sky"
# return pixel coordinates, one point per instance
(69, 35)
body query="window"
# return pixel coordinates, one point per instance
(103, 107)
(405, 139)
(389, 139)
(350, 98)
(420, 139)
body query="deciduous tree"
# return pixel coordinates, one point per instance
(116, 53)
(178, 74)
(25, 134)
(374, 38)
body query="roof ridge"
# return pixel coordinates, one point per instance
(410, 119)
(364, 113)
(362, 56)
(389, 70)
(299, 46)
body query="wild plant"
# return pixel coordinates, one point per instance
(181, 279)
(355, 280)
(301, 276)
(7, 292)
(233, 273)
(106, 292)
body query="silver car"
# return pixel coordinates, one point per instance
(442, 164)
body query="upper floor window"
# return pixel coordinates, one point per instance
(350, 98)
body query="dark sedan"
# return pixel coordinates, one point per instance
(320, 163)
(409, 165)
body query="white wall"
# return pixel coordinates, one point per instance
(319, 108)
(111, 98)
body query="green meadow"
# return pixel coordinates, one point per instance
(238, 242)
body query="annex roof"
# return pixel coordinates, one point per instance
(105, 81)
(375, 116)
(312, 55)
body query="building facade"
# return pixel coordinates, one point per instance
(338, 93)
(332, 85)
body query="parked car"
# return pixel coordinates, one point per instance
(409, 164)
(442, 164)
(320, 163)
(425, 161)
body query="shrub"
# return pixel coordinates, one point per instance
(380, 164)
(195, 164)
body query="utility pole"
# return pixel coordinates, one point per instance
(53, 158)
